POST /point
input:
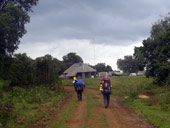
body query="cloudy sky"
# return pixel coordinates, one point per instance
(99, 31)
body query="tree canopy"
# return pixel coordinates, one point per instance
(128, 64)
(13, 17)
(12, 21)
(71, 58)
(155, 50)
(101, 67)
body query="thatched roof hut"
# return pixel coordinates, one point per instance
(80, 70)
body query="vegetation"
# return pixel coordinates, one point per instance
(17, 105)
(155, 51)
(92, 103)
(155, 108)
(101, 67)
(67, 115)
(128, 64)
(71, 58)
(13, 17)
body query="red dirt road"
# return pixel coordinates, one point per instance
(117, 115)
(90, 113)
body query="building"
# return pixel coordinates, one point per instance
(80, 70)
(103, 74)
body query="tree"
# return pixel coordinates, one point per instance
(71, 58)
(101, 67)
(13, 17)
(48, 70)
(139, 58)
(128, 64)
(24, 5)
(151, 44)
(12, 21)
(22, 70)
(108, 68)
(162, 62)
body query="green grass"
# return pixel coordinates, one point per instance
(92, 102)
(23, 103)
(156, 109)
(153, 113)
(104, 121)
(67, 115)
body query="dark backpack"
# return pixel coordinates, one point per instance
(106, 86)
(79, 87)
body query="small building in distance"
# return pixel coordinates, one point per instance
(141, 73)
(115, 73)
(79, 70)
(102, 74)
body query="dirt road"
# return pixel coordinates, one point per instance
(90, 113)
(116, 116)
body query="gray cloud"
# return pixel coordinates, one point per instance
(113, 22)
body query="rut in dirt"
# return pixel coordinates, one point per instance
(90, 113)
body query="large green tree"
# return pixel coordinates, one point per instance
(128, 64)
(23, 4)
(13, 17)
(48, 70)
(71, 58)
(101, 67)
(22, 70)
(151, 44)
(162, 62)
(139, 59)
(12, 21)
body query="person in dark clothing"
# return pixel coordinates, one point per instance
(106, 98)
(79, 94)
(106, 91)
(79, 87)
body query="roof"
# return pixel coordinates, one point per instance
(78, 68)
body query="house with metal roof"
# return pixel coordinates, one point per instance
(79, 70)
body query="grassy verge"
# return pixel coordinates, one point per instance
(156, 108)
(67, 115)
(21, 107)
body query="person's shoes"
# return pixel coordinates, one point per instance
(106, 106)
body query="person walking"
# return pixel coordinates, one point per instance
(74, 82)
(105, 88)
(79, 87)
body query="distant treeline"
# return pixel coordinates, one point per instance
(153, 55)
(21, 70)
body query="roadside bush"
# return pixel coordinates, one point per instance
(168, 80)
(6, 106)
(14, 101)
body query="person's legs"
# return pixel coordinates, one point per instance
(108, 99)
(78, 95)
(105, 100)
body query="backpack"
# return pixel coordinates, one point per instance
(79, 87)
(106, 86)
